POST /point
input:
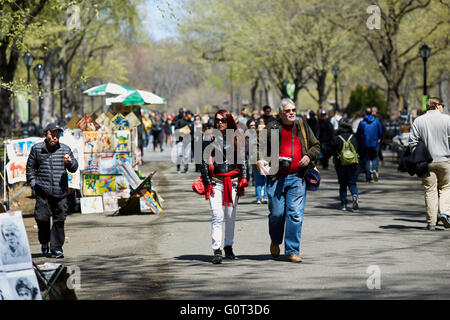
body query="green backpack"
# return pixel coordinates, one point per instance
(348, 154)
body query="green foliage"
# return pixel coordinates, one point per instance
(362, 97)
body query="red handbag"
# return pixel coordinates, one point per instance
(198, 185)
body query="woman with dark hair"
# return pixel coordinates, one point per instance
(224, 183)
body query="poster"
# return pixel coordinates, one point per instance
(106, 184)
(91, 205)
(96, 185)
(105, 141)
(91, 163)
(122, 158)
(87, 123)
(122, 141)
(74, 179)
(107, 163)
(76, 146)
(120, 122)
(133, 120)
(90, 184)
(23, 285)
(14, 247)
(90, 141)
(72, 124)
(110, 202)
(122, 187)
(16, 170)
(21, 148)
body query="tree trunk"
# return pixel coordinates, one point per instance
(47, 87)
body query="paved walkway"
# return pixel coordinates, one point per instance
(168, 256)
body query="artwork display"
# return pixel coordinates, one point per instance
(87, 123)
(133, 120)
(16, 170)
(21, 148)
(110, 201)
(91, 205)
(107, 163)
(120, 122)
(122, 141)
(105, 142)
(17, 278)
(91, 163)
(90, 141)
(19, 285)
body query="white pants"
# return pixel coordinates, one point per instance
(219, 213)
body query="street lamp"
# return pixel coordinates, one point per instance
(342, 95)
(61, 76)
(39, 72)
(237, 103)
(285, 84)
(335, 71)
(425, 53)
(28, 59)
(260, 99)
(82, 87)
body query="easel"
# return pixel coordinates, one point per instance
(48, 284)
(141, 189)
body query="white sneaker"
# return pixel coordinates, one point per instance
(375, 175)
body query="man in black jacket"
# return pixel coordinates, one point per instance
(47, 176)
(184, 126)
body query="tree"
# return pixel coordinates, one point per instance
(404, 26)
(362, 97)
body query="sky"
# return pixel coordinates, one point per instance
(161, 18)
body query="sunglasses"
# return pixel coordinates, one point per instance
(220, 120)
(289, 110)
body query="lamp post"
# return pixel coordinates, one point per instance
(342, 95)
(82, 87)
(28, 59)
(39, 72)
(425, 53)
(61, 76)
(335, 71)
(237, 103)
(260, 99)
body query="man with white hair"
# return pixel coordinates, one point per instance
(287, 188)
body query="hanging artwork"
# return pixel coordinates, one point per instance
(74, 179)
(90, 141)
(106, 183)
(91, 164)
(91, 205)
(120, 122)
(16, 170)
(107, 163)
(133, 120)
(105, 142)
(91, 184)
(122, 141)
(21, 148)
(122, 158)
(87, 123)
(110, 202)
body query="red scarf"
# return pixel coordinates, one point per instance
(227, 198)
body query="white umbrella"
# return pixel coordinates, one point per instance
(136, 97)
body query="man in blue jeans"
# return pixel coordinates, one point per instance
(369, 133)
(286, 188)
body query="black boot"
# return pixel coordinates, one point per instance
(217, 258)
(229, 252)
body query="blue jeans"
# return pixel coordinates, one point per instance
(287, 197)
(260, 181)
(368, 163)
(347, 177)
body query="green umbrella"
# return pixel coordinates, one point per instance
(107, 89)
(136, 97)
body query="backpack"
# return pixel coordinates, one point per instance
(348, 154)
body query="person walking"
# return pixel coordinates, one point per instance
(184, 126)
(167, 130)
(370, 133)
(433, 129)
(325, 135)
(157, 132)
(267, 115)
(224, 184)
(47, 176)
(287, 188)
(345, 159)
(260, 180)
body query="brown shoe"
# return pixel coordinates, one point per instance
(294, 258)
(274, 249)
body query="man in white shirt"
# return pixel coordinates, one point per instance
(433, 129)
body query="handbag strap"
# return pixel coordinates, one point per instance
(302, 127)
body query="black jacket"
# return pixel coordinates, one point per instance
(417, 161)
(325, 131)
(181, 123)
(46, 170)
(223, 167)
